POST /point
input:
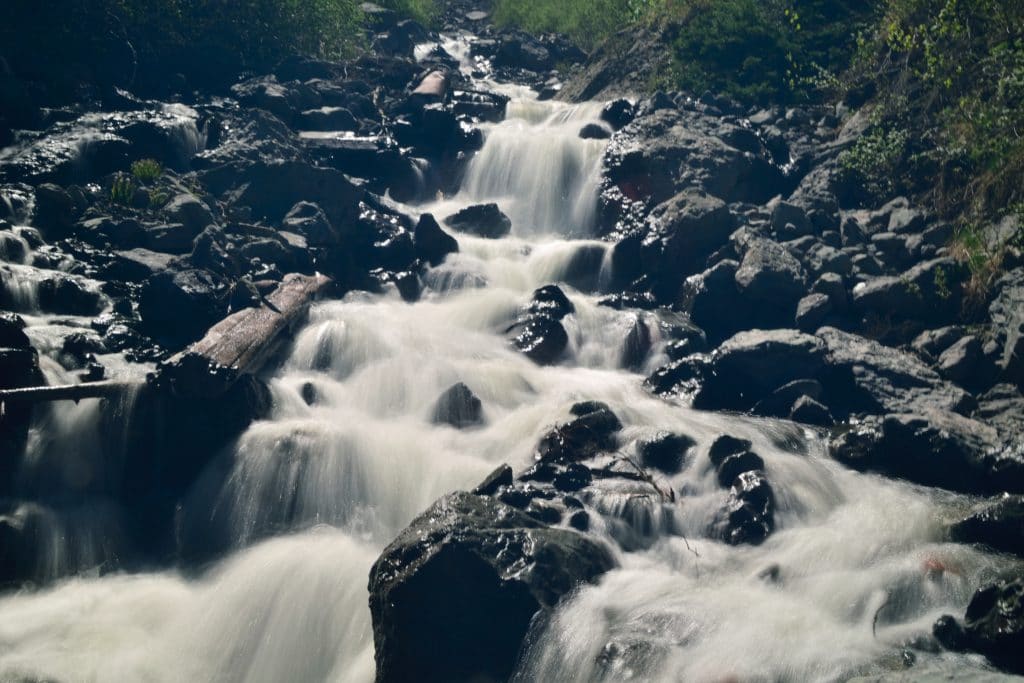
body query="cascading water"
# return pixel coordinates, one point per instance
(308, 498)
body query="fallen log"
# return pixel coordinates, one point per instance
(68, 392)
(243, 342)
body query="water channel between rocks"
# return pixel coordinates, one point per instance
(309, 497)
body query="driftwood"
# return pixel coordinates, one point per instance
(68, 392)
(243, 342)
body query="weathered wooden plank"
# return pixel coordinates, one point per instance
(243, 342)
(68, 392)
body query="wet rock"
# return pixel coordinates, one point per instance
(749, 514)
(187, 210)
(540, 339)
(994, 624)
(502, 476)
(865, 376)
(750, 365)
(550, 301)
(459, 407)
(593, 431)
(573, 478)
(935, 448)
(618, 113)
(12, 335)
(998, 524)
(724, 446)
(664, 451)
(510, 566)
(715, 304)
(55, 211)
(64, 294)
(682, 233)
(482, 220)
(178, 308)
(807, 410)
(432, 243)
(732, 466)
(538, 332)
(594, 131)
(310, 221)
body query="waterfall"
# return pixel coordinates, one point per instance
(306, 500)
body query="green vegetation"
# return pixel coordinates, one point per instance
(117, 41)
(122, 190)
(147, 170)
(585, 21)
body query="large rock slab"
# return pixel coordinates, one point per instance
(866, 376)
(453, 596)
(935, 448)
(750, 365)
(1007, 317)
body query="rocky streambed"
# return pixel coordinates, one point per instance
(624, 388)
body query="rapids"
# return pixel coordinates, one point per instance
(306, 500)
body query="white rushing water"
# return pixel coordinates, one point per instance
(309, 497)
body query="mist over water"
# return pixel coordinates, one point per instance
(308, 498)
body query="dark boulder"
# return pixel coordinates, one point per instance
(482, 220)
(520, 51)
(538, 332)
(594, 131)
(998, 524)
(929, 293)
(993, 625)
(865, 376)
(664, 451)
(749, 514)
(809, 411)
(594, 430)
(310, 221)
(509, 566)
(178, 308)
(682, 233)
(540, 339)
(65, 294)
(935, 448)
(432, 243)
(55, 211)
(750, 365)
(459, 407)
(550, 301)
(189, 211)
(772, 276)
(715, 304)
(618, 113)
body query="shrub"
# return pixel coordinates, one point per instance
(122, 190)
(147, 170)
